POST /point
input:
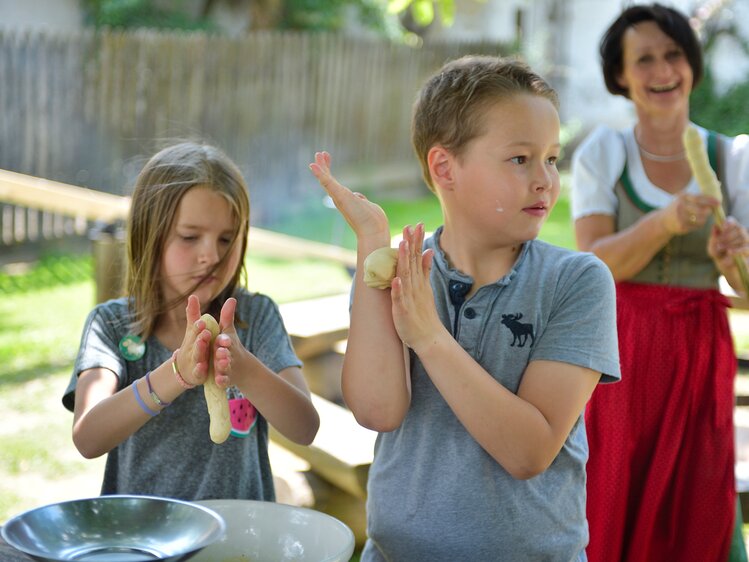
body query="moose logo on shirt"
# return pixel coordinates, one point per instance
(520, 331)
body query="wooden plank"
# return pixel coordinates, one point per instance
(316, 325)
(342, 450)
(48, 195)
(283, 245)
(57, 197)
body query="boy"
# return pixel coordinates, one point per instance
(482, 449)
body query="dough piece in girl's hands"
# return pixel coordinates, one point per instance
(215, 397)
(379, 267)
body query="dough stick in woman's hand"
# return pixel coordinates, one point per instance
(215, 397)
(709, 185)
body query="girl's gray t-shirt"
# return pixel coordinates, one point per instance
(434, 492)
(172, 455)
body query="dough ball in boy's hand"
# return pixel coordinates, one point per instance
(379, 267)
(215, 397)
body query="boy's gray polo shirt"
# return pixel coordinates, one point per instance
(434, 493)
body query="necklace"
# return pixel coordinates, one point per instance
(657, 157)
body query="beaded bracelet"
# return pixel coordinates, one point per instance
(182, 382)
(153, 394)
(140, 402)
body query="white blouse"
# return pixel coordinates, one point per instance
(598, 162)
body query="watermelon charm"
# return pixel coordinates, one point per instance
(243, 416)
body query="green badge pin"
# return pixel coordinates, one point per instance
(132, 347)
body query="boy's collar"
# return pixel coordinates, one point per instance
(441, 263)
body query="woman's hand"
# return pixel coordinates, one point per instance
(688, 212)
(414, 314)
(367, 219)
(193, 355)
(726, 243)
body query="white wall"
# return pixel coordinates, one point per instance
(60, 15)
(481, 19)
(584, 95)
(726, 61)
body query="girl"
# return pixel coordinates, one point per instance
(135, 389)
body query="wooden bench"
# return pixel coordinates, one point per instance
(342, 450)
(316, 325)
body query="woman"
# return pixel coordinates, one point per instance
(661, 468)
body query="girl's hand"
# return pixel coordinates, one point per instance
(414, 313)
(726, 243)
(366, 219)
(192, 356)
(225, 342)
(688, 212)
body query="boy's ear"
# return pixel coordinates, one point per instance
(440, 162)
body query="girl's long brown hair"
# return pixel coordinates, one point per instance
(159, 188)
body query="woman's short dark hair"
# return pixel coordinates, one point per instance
(670, 21)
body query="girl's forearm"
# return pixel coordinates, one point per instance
(111, 418)
(282, 399)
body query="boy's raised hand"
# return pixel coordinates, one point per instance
(366, 219)
(414, 313)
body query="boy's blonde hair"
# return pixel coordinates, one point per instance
(159, 188)
(450, 107)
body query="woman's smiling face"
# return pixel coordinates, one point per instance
(655, 70)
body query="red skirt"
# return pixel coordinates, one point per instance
(661, 467)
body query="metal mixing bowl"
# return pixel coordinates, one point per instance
(114, 529)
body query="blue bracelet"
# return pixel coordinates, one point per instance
(142, 404)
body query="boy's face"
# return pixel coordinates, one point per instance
(506, 181)
(200, 237)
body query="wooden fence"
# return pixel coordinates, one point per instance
(87, 109)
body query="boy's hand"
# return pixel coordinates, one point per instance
(192, 356)
(366, 219)
(414, 313)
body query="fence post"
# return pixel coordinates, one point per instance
(108, 242)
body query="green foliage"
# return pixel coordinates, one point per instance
(723, 113)
(330, 15)
(142, 13)
(423, 11)
(299, 15)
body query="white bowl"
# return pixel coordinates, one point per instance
(272, 532)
